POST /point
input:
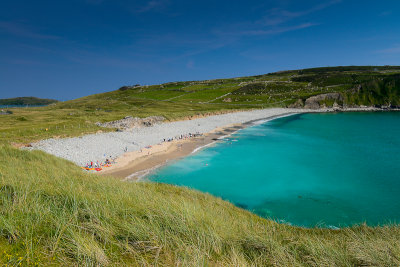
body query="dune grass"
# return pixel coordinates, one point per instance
(54, 214)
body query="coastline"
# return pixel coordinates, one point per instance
(134, 166)
(99, 146)
(139, 150)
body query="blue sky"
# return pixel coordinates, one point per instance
(68, 49)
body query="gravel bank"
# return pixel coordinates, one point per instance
(93, 147)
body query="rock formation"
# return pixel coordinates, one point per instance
(131, 122)
(314, 102)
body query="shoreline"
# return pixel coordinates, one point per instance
(134, 166)
(99, 146)
(131, 147)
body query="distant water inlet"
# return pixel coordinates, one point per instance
(20, 106)
(327, 170)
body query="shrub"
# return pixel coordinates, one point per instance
(250, 89)
(22, 118)
(124, 88)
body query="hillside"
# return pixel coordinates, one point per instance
(54, 214)
(340, 87)
(26, 101)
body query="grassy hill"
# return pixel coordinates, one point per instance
(54, 214)
(370, 86)
(26, 101)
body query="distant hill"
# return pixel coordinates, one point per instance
(31, 101)
(342, 86)
(338, 88)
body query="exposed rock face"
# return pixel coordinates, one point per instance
(314, 101)
(335, 100)
(298, 104)
(131, 122)
(227, 99)
(336, 106)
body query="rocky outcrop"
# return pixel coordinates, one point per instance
(298, 104)
(329, 100)
(131, 122)
(316, 102)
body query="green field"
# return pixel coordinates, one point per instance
(54, 214)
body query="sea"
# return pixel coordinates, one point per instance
(328, 170)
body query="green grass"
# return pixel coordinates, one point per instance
(54, 214)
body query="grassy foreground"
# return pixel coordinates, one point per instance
(54, 214)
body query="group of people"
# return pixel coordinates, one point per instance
(98, 164)
(183, 136)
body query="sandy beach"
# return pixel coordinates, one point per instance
(135, 165)
(138, 150)
(141, 148)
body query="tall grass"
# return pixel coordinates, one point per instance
(51, 213)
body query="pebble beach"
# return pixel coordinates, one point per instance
(99, 146)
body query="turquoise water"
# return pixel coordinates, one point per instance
(327, 170)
